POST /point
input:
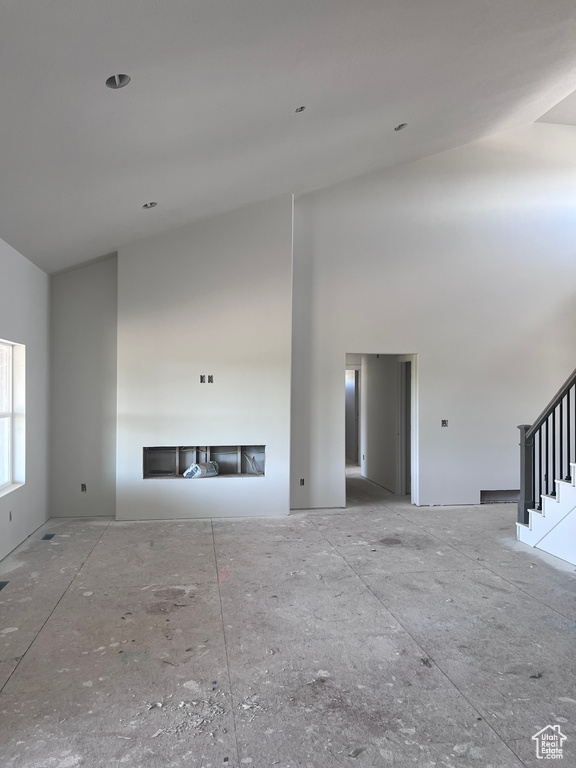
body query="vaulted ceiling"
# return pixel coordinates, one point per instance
(209, 123)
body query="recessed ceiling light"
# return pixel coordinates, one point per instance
(300, 109)
(152, 204)
(118, 81)
(400, 127)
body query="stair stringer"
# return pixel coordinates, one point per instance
(561, 540)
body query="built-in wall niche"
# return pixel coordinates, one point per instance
(233, 460)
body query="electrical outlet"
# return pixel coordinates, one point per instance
(202, 379)
(210, 379)
(82, 487)
(301, 481)
(444, 423)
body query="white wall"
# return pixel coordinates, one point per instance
(212, 298)
(24, 319)
(380, 420)
(465, 258)
(83, 390)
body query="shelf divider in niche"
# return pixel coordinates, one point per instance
(163, 461)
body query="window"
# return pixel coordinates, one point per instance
(12, 425)
(6, 415)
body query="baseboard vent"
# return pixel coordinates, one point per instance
(499, 497)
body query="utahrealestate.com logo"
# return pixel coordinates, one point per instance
(549, 742)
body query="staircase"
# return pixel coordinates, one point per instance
(553, 528)
(547, 506)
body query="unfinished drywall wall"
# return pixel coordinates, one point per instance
(24, 319)
(380, 420)
(214, 299)
(466, 259)
(83, 314)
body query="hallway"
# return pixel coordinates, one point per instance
(360, 493)
(378, 635)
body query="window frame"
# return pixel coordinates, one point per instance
(9, 414)
(17, 417)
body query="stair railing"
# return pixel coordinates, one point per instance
(546, 449)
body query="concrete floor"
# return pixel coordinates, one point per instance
(379, 635)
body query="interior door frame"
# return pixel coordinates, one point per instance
(356, 369)
(401, 441)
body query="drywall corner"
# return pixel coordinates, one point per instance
(83, 390)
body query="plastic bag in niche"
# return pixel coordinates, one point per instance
(209, 469)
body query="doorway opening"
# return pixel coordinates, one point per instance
(352, 416)
(381, 421)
